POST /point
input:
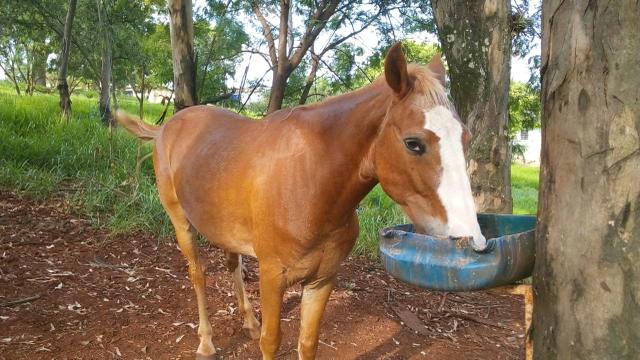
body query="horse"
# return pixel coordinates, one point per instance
(285, 189)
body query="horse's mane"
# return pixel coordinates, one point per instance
(424, 82)
(427, 84)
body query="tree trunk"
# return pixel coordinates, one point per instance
(476, 39)
(311, 78)
(114, 98)
(105, 73)
(14, 79)
(63, 87)
(142, 90)
(278, 87)
(184, 68)
(587, 272)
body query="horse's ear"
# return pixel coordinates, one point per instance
(437, 68)
(395, 71)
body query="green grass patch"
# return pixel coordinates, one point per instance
(524, 189)
(40, 151)
(375, 212)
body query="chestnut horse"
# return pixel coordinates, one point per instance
(285, 189)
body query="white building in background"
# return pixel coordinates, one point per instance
(532, 140)
(154, 96)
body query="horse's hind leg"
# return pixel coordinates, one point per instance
(185, 234)
(234, 263)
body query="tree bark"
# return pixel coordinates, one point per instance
(587, 272)
(142, 90)
(278, 86)
(311, 78)
(184, 69)
(476, 39)
(63, 87)
(105, 73)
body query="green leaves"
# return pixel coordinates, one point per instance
(524, 108)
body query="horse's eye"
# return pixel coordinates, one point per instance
(415, 146)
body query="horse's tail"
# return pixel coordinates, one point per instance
(137, 127)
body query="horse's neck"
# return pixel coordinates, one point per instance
(354, 120)
(355, 117)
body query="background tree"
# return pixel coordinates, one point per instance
(63, 86)
(184, 68)
(106, 59)
(476, 39)
(524, 113)
(288, 46)
(587, 273)
(23, 46)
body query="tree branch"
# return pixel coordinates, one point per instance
(336, 74)
(339, 41)
(283, 31)
(268, 34)
(315, 25)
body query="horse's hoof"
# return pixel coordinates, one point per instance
(205, 357)
(253, 333)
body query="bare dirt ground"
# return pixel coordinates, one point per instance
(72, 291)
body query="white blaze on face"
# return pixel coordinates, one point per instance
(454, 189)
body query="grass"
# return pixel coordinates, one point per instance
(524, 189)
(41, 154)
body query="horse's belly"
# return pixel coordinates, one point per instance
(223, 229)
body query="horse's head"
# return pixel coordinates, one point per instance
(419, 154)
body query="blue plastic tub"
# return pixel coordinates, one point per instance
(452, 264)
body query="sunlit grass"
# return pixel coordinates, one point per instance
(524, 188)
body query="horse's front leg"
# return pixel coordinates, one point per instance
(315, 295)
(272, 286)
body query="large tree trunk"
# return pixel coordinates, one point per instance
(184, 68)
(476, 40)
(278, 86)
(105, 73)
(587, 273)
(63, 87)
